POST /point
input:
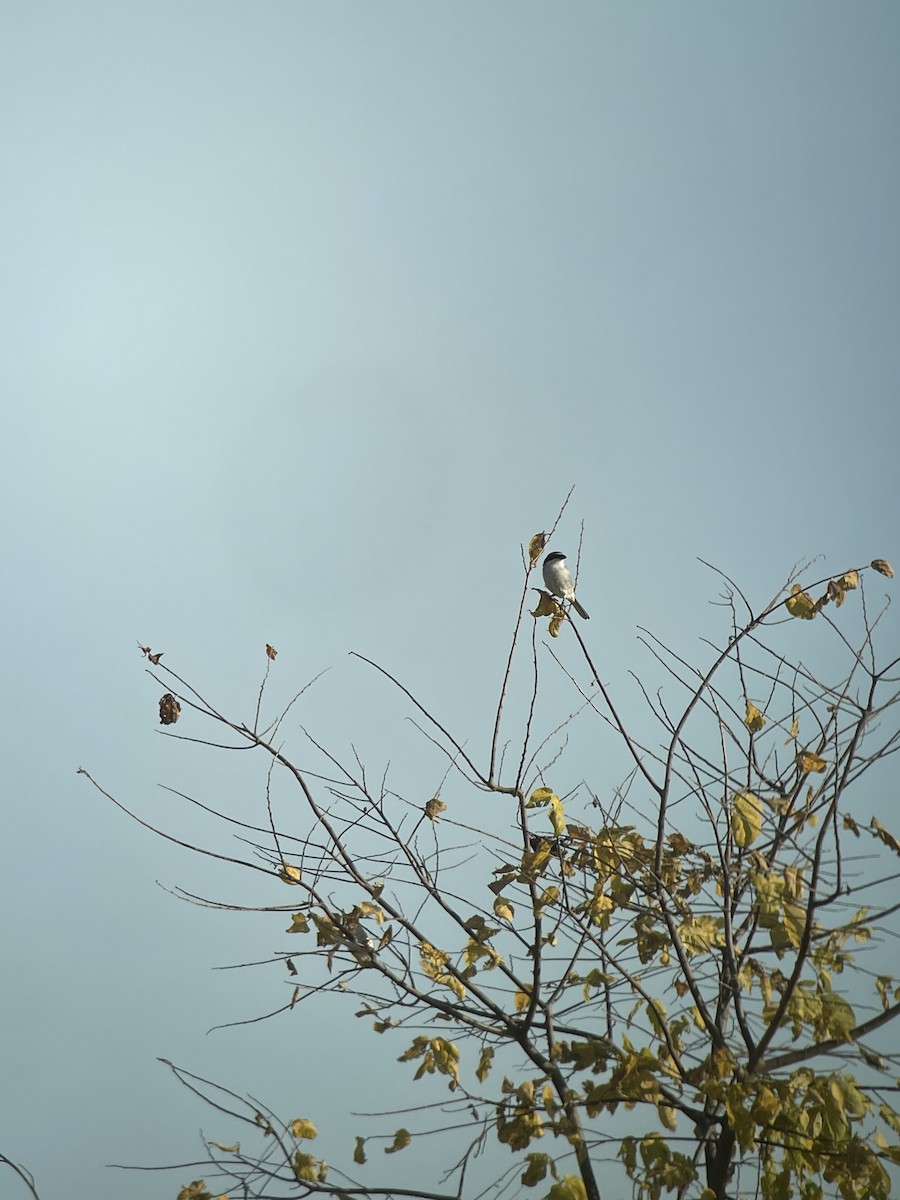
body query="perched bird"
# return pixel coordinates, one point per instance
(559, 581)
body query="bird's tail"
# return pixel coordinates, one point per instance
(581, 612)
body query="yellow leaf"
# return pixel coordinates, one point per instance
(746, 819)
(446, 1058)
(503, 908)
(536, 547)
(754, 719)
(794, 923)
(522, 1000)
(793, 883)
(668, 1116)
(701, 934)
(303, 1128)
(883, 568)
(536, 1171)
(299, 924)
(434, 808)
(366, 908)
(534, 861)
(289, 874)
(808, 761)
(485, 1063)
(799, 604)
(766, 1107)
(194, 1191)
(306, 1167)
(570, 1187)
(839, 1021)
(434, 964)
(557, 816)
(795, 730)
(540, 797)
(849, 580)
(600, 908)
(556, 624)
(402, 1138)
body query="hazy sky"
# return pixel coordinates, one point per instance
(311, 314)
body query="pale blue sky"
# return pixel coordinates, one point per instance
(310, 315)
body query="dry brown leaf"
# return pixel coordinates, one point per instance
(536, 547)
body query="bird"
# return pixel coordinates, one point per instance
(559, 581)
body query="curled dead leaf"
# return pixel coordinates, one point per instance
(884, 835)
(883, 567)
(434, 808)
(536, 547)
(271, 652)
(169, 709)
(547, 606)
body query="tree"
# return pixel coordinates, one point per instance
(673, 972)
